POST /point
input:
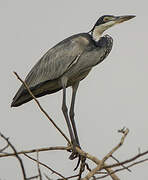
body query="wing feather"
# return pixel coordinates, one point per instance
(53, 64)
(78, 51)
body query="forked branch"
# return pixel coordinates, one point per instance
(101, 164)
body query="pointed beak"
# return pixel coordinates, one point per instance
(120, 19)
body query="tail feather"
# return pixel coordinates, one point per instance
(23, 96)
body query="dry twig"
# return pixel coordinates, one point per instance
(127, 161)
(56, 148)
(99, 167)
(119, 163)
(34, 177)
(46, 114)
(38, 166)
(53, 171)
(3, 149)
(41, 108)
(100, 163)
(97, 161)
(16, 155)
(70, 177)
(121, 169)
(47, 177)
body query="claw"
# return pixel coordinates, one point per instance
(78, 163)
(73, 155)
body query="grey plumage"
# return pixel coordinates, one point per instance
(74, 57)
(66, 64)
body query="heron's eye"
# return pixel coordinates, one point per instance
(106, 19)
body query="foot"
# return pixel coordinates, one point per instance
(74, 153)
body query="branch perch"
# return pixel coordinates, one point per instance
(100, 165)
(46, 114)
(92, 172)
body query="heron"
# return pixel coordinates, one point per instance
(66, 64)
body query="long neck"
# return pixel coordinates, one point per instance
(97, 32)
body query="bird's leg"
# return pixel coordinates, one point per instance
(65, 110)
(71, 112)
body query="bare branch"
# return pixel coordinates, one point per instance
(117, 170)
(3, 149)
(127, 161)
(97, 161)
(53, 171)
(16, 154)
(99, 167)
(34, 177)
(41, 108)
(56, 148)
(70, 177)
(45, 113)
(138, 162)
(100, 163)
(125, 132)
(47, 177)
(38, 166)
(119, 163)
(80, 151)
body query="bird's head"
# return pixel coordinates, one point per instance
(105, 22)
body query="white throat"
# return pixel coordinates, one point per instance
(98, 30)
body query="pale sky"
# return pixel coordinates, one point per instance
(115, 94)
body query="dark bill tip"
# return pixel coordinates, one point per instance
(121, 19)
